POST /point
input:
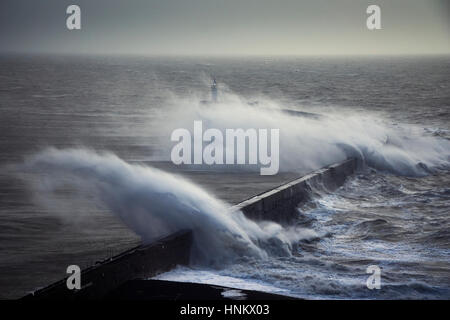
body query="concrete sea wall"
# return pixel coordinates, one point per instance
(279, 204)
(140, 262)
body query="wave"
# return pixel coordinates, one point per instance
(154, 203)
(311, 142)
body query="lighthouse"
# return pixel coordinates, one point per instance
(214, 91)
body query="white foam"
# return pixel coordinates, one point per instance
(213, 277)
(308, 143)
(154, 203)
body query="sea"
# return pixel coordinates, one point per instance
(85, 150)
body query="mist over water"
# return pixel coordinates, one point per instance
(154, 204)
(311, 140)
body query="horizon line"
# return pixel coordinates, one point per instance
(219, 55)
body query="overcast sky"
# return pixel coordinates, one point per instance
(224, 27)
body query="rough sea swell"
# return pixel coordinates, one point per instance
(393, 113)
(327, 241)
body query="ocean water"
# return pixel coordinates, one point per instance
(393, 113)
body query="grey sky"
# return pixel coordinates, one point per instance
(223, 27)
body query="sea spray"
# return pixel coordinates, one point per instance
(154, 203)
(325, 137)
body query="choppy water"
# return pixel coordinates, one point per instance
(128, 105)
(401, 226)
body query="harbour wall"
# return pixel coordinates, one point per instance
(278, 204)
(140, 262)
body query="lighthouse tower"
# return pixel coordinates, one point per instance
(214, 91)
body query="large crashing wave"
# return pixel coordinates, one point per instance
(154, 203)
(311, 142)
